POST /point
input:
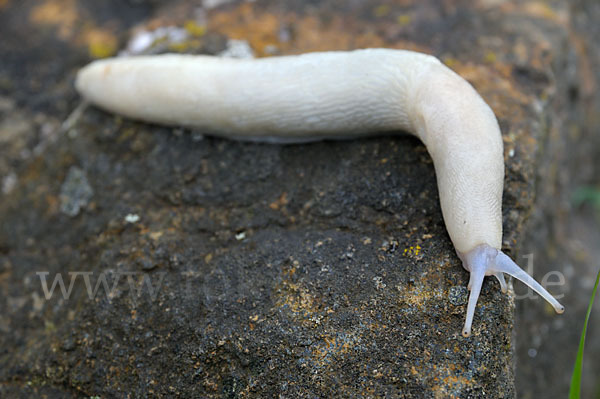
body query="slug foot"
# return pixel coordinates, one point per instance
(483, 261)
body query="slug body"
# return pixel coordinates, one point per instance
(330, 95)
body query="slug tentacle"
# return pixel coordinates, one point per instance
(483, 261)
(477, 262)
(504, 264)
(503, 286)
(478, 269)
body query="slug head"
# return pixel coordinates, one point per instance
(483, 261)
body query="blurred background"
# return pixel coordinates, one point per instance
(549, 47)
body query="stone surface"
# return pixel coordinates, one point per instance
(243, 270)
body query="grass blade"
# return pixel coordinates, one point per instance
(575, 390)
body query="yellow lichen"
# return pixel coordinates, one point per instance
(490, 57)
(412, 251)
(381, 11)
(450, 61)
(194, 29)
(101, 44)
(403, 19)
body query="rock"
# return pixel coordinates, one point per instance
(251, 272)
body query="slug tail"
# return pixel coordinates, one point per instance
(504, 264)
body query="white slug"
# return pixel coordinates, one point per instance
(337, 94)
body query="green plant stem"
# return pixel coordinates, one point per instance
(575, 391)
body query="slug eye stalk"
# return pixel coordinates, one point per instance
(483, 261)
